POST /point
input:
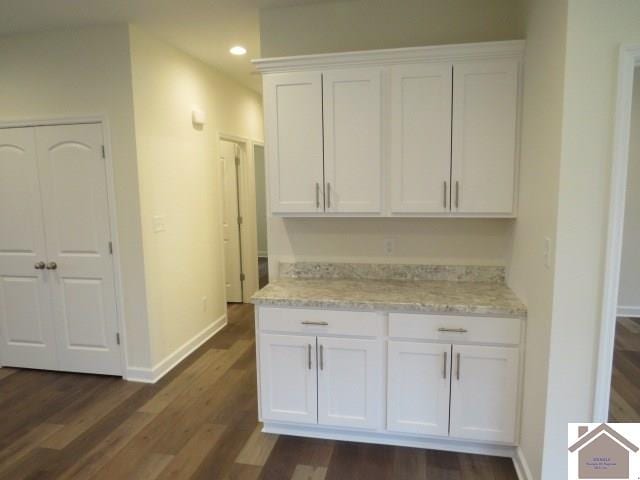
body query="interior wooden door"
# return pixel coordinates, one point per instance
(352, 140)
(79, 267)
(230, 223)
(485, 103)
(484, 393)
(349, 382)
(288, 378)
(26, 327)
(419, 380)
(421, 138)
(293, 129)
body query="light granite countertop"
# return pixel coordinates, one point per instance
(416, 296)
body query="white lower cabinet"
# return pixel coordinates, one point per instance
(436, 377)
(418, 388)
(484, 393)
(288, 378)
(349, 382)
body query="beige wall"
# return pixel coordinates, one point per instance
(261, 199)
(630, 272)
(595, 30)
(528, 275)
(180, 180)
(363, 25)
(77, 73)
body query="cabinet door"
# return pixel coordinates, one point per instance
(418, 394)
(288, 378)
(293, 128)
(349, 382)
(485, 99)
(484, 392)
(352, 142)
(27, 337)
(420, 138)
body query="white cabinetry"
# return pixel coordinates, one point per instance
(418, 395)
(352, 143)
(288, 378)
(293, 125)
(424, 131)
(484, 393)
(407, 379)
(485, 100)
(349, 382)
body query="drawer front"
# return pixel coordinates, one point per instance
(451, 328)
(320, 322)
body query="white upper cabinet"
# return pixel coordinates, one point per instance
(427, 131)
(485, 104)
(293, 126)
(352, 140)
(420, 138)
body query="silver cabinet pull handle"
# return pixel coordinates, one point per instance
(52, 266)
(457, 194)
(321, 357)
(309, 355)
(317, 195)
(458, 366)
(444, 366)
(453, 330)
(314, 323)
(328, 194)
(444, 195)
(39, 266)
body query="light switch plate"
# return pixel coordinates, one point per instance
(159, 223)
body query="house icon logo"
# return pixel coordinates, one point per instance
(602, 452)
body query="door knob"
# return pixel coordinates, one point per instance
(39, 266)
(52, 266)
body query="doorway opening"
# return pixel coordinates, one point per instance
(261, 214)
(617, 389)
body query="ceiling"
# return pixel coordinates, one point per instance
(205, 29)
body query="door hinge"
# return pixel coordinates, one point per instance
(118, 338)
(111, 248)
(103, 152)
(239, 220)
(242, 277)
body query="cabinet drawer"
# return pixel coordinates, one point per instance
(326, 322)
(452, 328)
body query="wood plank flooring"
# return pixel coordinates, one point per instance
(199, 422)
(625, 379)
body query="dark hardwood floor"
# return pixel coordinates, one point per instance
(200, 421)
(625, 380)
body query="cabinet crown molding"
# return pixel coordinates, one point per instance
(432, 53)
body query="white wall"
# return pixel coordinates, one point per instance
(629, 299)
(180, 180)
(595, 30)
(362, 25)
(78, 73)
(528, 275)
(261, 199)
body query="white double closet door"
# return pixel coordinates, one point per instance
(57, 294)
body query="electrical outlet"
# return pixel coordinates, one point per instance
(204, 304)
(388, 246)
(547, 252)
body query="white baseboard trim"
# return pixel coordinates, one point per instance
(152, 375)
(384, 438)
(521, 465)
(628, 311)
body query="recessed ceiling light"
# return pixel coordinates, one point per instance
(238, 50)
